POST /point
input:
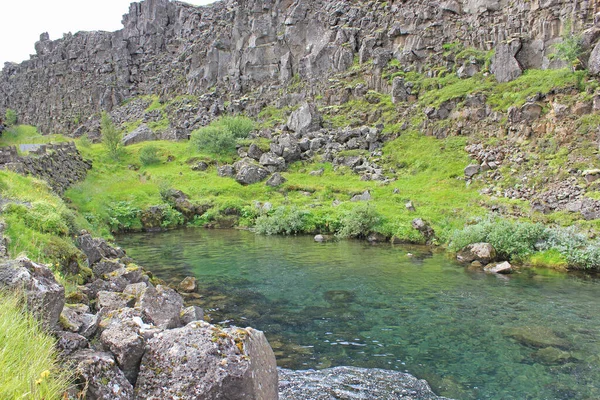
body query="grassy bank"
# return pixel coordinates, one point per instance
(28, 360)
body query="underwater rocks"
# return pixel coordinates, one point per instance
(537, 337)
(352, 383)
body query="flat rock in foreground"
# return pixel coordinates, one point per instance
(352, 383)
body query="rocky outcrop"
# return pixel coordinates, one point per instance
(172, 48)
(61, 165)
(349, 382)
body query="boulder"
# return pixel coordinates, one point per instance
(95, 249)
(365, 196)
(254, 152)
(123, 340)
(410, 206)
(105, 266)
(481, 252)
(188, 284)
(191, 314)
(161, 306)
(77, 319)
(501, 268)
(276, 180)
(504, 65)
(140, 134)
(399, 90)
(226, 171)
(200, 166)
(272, 160)
(110, 301)
(45, 297)
(305, 119)
(249, 173)
(201, 361)
(68, 343)
(472, 170)
(594, 60)
(425, 229)
(98, 377)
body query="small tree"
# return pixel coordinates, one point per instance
(111, 137)
(11, 117)
(569, 49)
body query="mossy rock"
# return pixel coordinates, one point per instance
(551, 356)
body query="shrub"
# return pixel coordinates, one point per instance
(149, 155)
(28, 360)
(283, 220)
(358, 222)
(214, 139)
(123, 216)
(511, 239)
(220, 137)
(11, 117)
(111, 137)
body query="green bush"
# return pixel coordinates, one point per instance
(11, 117)
(28, 361)
(214, 139)
(123, 216)
(283, 220)
(149, 155)
(221, 136)
(358, 222)
(111, 137)
(512, 240)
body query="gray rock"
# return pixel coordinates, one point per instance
(45, 297)
(95, 249)
(98, 377)
(201, 361)
(352, 383)
(161, 306)
(481, 252)
(141, 134)
(68, 343)
(110, 301)
(425, 229)
(191, 314)
(504, 65)
(276, 180)
(318, 172)
(254, 152)
(123, 340)
(501, 268)
(249, 173)
(226, 171)
(305, 119)
(410, 206)
(399, 91)
(200, 166)
(472, 170)
(105, 266)
(77, 319)
(594, 60)
(365, 196)
(272, 160)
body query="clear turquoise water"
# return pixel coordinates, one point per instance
(350, 303)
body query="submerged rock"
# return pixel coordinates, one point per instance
(352, 383)
(501, 268)
(537, 336)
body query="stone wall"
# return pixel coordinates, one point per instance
(172, 48)
(61, 165)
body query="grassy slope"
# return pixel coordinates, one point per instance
(28, 361)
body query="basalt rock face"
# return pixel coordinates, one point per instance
(172, 48)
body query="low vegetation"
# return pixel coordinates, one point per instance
(28, 360)
(222, 135)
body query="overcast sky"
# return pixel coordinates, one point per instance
(22, 21)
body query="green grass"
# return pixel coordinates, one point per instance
(28, 362)
(27, 134)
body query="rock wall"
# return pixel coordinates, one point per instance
(172, 48)
(61, 165)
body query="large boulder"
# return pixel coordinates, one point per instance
(505, 66)
(141, 134)
(594, 60)
(98, 377)
(201, 361)
(305, 119)
(248, 172)
(161, 306)
(45, 296)
(95, 249)
(124, 341)
(482, 252)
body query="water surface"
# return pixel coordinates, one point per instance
(533, 335)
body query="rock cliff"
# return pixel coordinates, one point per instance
(247, 49)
